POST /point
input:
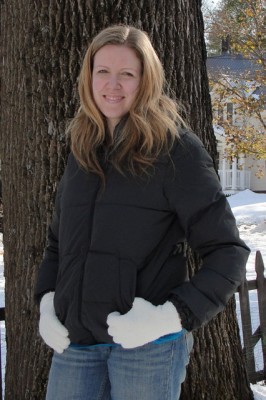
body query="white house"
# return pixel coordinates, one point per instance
(233, 69)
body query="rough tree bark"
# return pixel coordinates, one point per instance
(43, 45)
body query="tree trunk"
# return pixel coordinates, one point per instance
(43, 46)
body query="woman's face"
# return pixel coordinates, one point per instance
(115, 81)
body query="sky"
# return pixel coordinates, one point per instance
(249, 209)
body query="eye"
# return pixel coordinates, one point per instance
(127, 73)
(102, 71)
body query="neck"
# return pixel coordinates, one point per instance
(111, 127)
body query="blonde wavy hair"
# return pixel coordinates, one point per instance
(152, 123)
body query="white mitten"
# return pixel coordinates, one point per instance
(51, 330)
(144, 323)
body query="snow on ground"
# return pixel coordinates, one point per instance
(259, 392)
(250, 212)
(249, 209)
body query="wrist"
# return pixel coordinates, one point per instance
(188, 320)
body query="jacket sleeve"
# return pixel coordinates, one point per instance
(47, 274)
(195, 195)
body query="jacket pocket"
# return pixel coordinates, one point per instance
(108, 285)
(66, 292)
(159, 277)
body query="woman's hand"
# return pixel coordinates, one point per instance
(144, 323)
(51, 330)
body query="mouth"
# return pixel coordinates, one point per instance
(113, 99)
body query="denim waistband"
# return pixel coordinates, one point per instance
(162, 339)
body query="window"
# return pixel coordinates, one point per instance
(220, 113)
(230, 110)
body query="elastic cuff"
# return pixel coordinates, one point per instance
(188, 319)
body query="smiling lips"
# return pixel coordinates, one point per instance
(113, 99)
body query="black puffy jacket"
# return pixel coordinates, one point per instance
(107, 246)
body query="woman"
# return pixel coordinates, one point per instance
(116, 304)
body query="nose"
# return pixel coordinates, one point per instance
(114, 82)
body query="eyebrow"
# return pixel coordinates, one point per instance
(105, 66)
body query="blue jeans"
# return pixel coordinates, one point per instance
(150, 372)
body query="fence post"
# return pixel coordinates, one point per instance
(2, 318)
(247, 330)
(261, 282)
